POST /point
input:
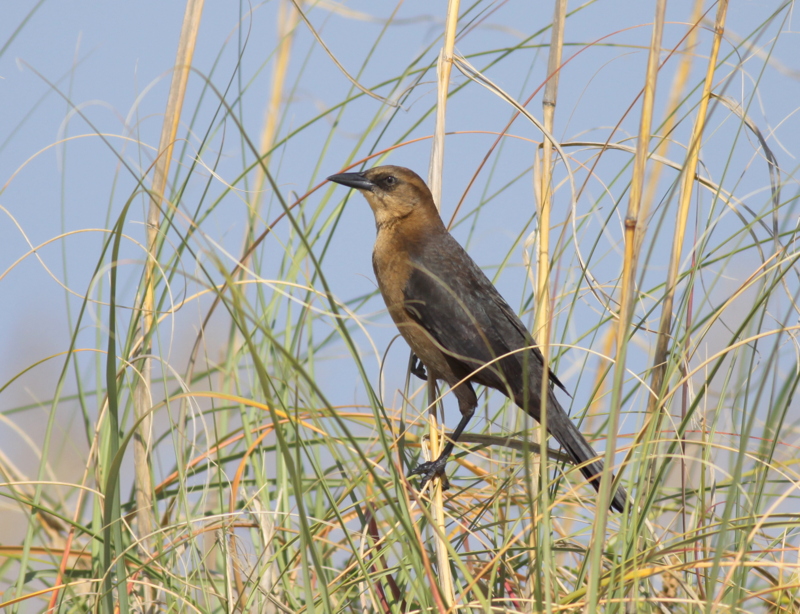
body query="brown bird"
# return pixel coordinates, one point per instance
(453, 318)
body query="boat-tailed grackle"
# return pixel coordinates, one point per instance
(453, 318)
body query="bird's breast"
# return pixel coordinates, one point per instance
(392, 270)
(393, 267)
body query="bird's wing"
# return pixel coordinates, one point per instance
(451, 298)
(529, 340)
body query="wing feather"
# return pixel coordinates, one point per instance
(452, 306)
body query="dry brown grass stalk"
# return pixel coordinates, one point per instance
(634, 228)
(687, 186)
(142, 394)
(444, 67)
(541, 327)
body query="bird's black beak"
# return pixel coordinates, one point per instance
(353, 180)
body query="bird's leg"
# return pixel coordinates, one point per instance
(467, 402)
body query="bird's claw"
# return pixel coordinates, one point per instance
(418, 369)
(429, 471)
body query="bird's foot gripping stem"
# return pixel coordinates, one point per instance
(436, 467)
(430, 470)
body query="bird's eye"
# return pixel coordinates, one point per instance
(390, 181)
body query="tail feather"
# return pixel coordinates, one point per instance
(567, 434)
(592, 473)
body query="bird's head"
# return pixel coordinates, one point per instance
(394, 193)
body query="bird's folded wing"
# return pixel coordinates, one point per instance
(514, 319)
(450, 297)
(468, 318)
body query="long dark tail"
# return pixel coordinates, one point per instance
(562, 428)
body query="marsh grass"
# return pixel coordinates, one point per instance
(212, 355)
